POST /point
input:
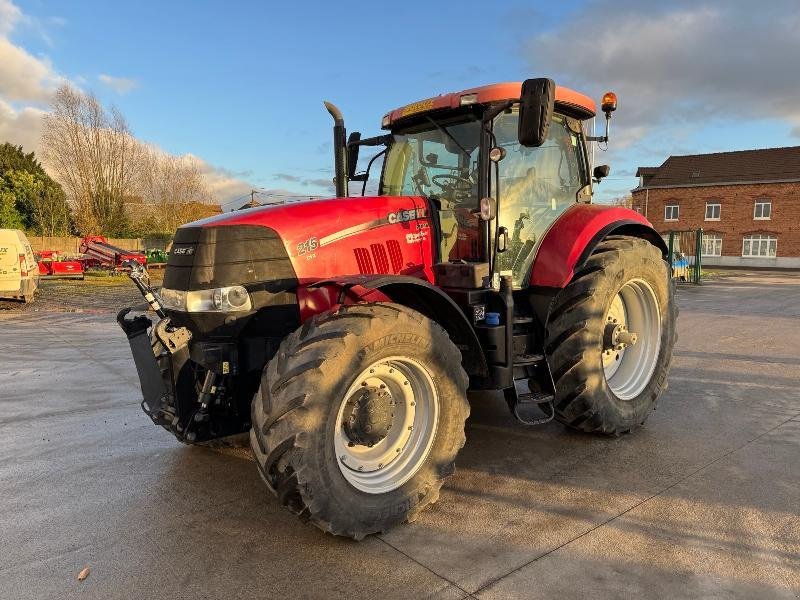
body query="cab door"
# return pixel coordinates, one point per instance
(536, 185)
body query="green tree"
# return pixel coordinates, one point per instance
(38, 200)
(9, 215)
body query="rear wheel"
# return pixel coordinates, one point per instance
(359, 418)
(610, 337)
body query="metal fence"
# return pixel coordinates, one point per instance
(685, 254)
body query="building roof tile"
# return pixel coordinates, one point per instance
(744, 166)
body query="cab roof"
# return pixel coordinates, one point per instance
(577, 104)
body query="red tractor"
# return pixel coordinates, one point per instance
(343, 334)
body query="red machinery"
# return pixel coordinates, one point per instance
(343, 334)
(96, 248)
(54, 266)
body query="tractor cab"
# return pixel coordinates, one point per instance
(474, 148)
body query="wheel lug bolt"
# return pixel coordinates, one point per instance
(391, 370)
(380, 465)
(364, 383)
(372, 370)
(398, 450)
(360, 468)
(383, 386)
(413, 404)
(410, 427)
(405, 383)
(343, 457)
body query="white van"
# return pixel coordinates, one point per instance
(19, 273)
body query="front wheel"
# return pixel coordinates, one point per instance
(610, 336)
(359, 418)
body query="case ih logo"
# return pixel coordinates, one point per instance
(402, 216)
(185, 251)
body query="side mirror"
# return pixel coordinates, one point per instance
(352, 154)
(487, 210)
(535, 111)
(601, 171)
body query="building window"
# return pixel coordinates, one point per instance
(713, 210)
(762, 210)
(712, 244)
(671, 212)
(759, 245)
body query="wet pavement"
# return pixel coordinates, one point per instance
(703, 502)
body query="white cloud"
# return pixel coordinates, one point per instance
(10, 15)
(121, 85)
(24, 77)
(679, 63)
(26, 84)
(223, 185)
(22, 127)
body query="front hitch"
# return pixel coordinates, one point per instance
(157, 364)
(155, 394)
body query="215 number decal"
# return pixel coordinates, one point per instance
(309, 245)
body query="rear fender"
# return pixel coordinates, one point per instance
(409, 291)
(573, 237)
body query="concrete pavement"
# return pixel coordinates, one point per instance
(702, 502)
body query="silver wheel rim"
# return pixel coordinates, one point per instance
(395, 459)
(629, 370)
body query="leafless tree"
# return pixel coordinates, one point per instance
(171, 187)
(626, 201)
(93, 154)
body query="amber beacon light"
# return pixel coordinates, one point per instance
(609, 102)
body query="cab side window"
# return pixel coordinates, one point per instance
(535, 186)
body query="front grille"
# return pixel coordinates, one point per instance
(212, 257)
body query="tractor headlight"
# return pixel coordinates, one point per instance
(226, 299)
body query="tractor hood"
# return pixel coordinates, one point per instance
(305, 241)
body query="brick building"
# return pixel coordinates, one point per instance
(747, 203)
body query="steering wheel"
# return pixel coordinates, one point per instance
(459, 184)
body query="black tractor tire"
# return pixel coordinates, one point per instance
(294, 415)
(575, 331)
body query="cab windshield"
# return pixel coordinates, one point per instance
(440, 161)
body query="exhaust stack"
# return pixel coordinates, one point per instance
(339, 150)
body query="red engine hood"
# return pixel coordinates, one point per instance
(346, 236)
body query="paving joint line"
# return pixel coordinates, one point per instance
(426, 567)
(636, 505)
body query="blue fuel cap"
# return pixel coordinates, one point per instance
(492, 318)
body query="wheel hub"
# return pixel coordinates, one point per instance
(386, 424)
(369, 415)
(616, 336)
(631, 339)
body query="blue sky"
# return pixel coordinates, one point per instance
(241, 84)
